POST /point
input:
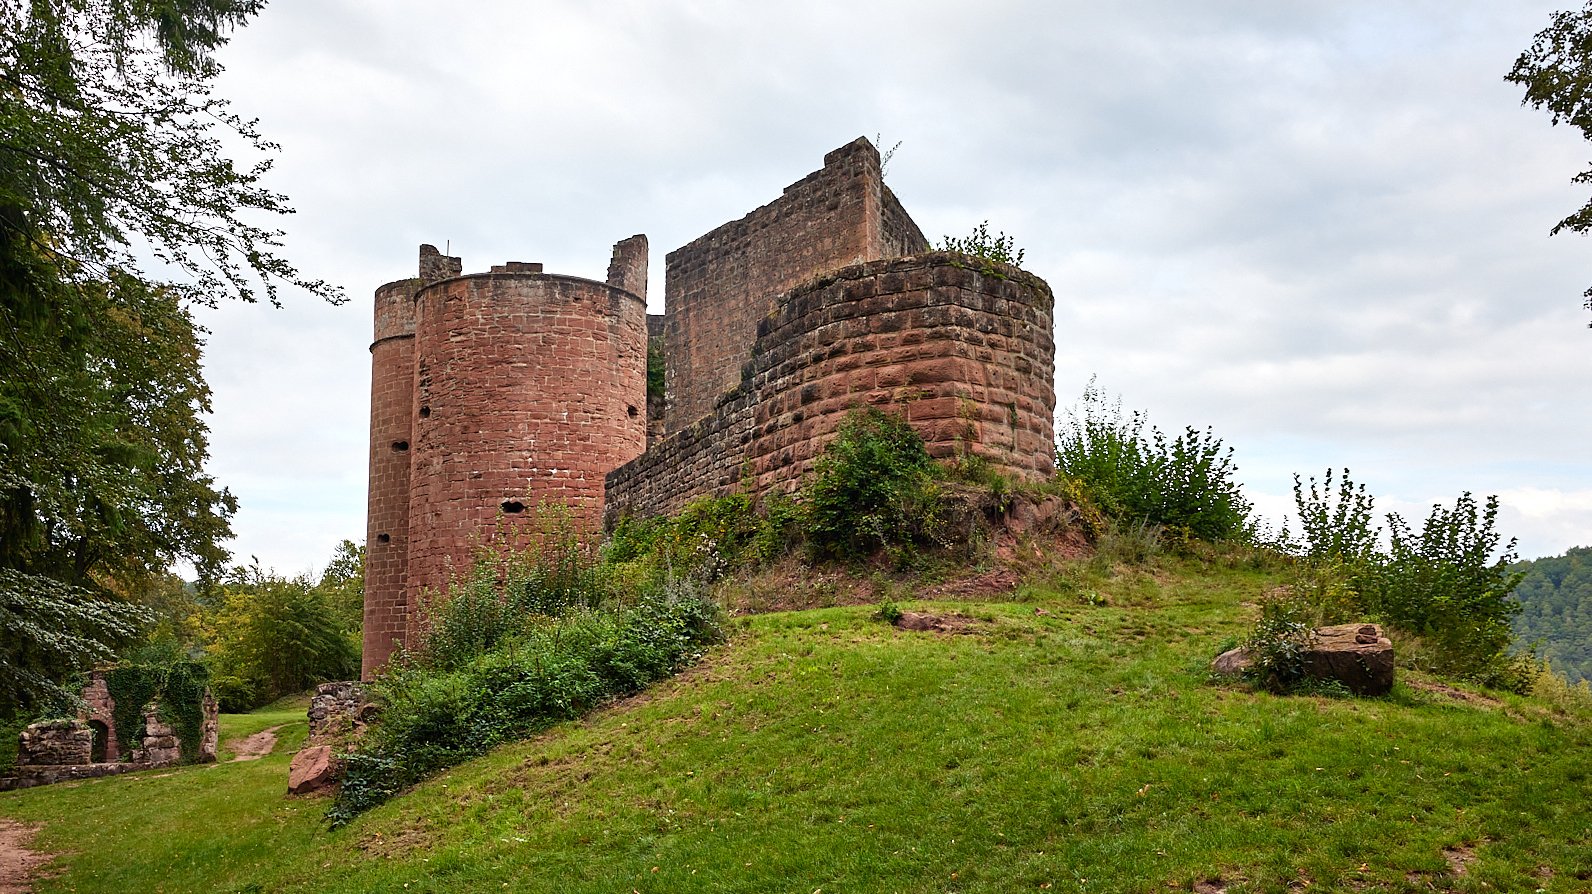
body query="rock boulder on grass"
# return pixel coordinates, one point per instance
(1356, 655)
(313, 769)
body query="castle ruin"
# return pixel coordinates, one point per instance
(493, 392)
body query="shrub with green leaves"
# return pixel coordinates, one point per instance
(1186, 484)
(1448, 584)
(1336, 525)
(980, 244)
(1277, 645)
(872, 488)
(523, 643)
(709, 537)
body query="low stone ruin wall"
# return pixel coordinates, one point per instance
(61, 750)
(963, 349)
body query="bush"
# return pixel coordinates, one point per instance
(872, 488)
(553, 574)
(710, 537)
(1447, 587)
(523, 643)
(1277, 644)
(1184, 484)
(1336, 527)
(981, 244)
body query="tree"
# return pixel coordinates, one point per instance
(1556, 71)
(110, 137)
(109, 150)
(271, 636)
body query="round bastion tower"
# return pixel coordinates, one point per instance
(392, 408)
(529, 388)
(492, 393)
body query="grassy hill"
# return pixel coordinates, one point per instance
(1067, 738)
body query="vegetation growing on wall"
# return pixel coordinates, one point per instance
(980, 244)
(177, 686)
(655, 367)
(873, 487)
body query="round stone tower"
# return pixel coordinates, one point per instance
(392, 392)
(529, 388)
(392, 410)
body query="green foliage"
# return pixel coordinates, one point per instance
(112, 137)
(1336, 526)
(1556, 71)
(872, 488)
(102, 448)
(110, 154)
(1185, 484)
(271, 636)
(516, 658)
(655, 368)
(176, 684)
(1277, 644)
(708, 538)
(980, 244)
(1555, 619)
(342, 581)
(490, 607)
(1449, 585)
(53, 631)
(1127, 542)
(888, 612)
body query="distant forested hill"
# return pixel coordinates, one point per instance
(1556, 611)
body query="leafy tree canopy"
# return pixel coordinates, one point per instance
(1555, 618)
(110, 141)
(110, 151)
(1556, 71)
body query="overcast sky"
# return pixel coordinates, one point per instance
(1318, 228)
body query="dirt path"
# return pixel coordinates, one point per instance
(18, 865)
(248, 748)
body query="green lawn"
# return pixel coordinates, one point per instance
(1071, 742)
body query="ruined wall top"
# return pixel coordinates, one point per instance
(720, 285)
(628, 268)
(436, 266)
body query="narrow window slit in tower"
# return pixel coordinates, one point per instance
(383, 538)
(425, 412)
(400, 446)
(632, 411)
(513, 507)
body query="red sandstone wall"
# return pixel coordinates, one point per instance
(392, 379)
(967, 357)
(720, 286)
(529, 387)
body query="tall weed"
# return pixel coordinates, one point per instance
(1185, 484)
